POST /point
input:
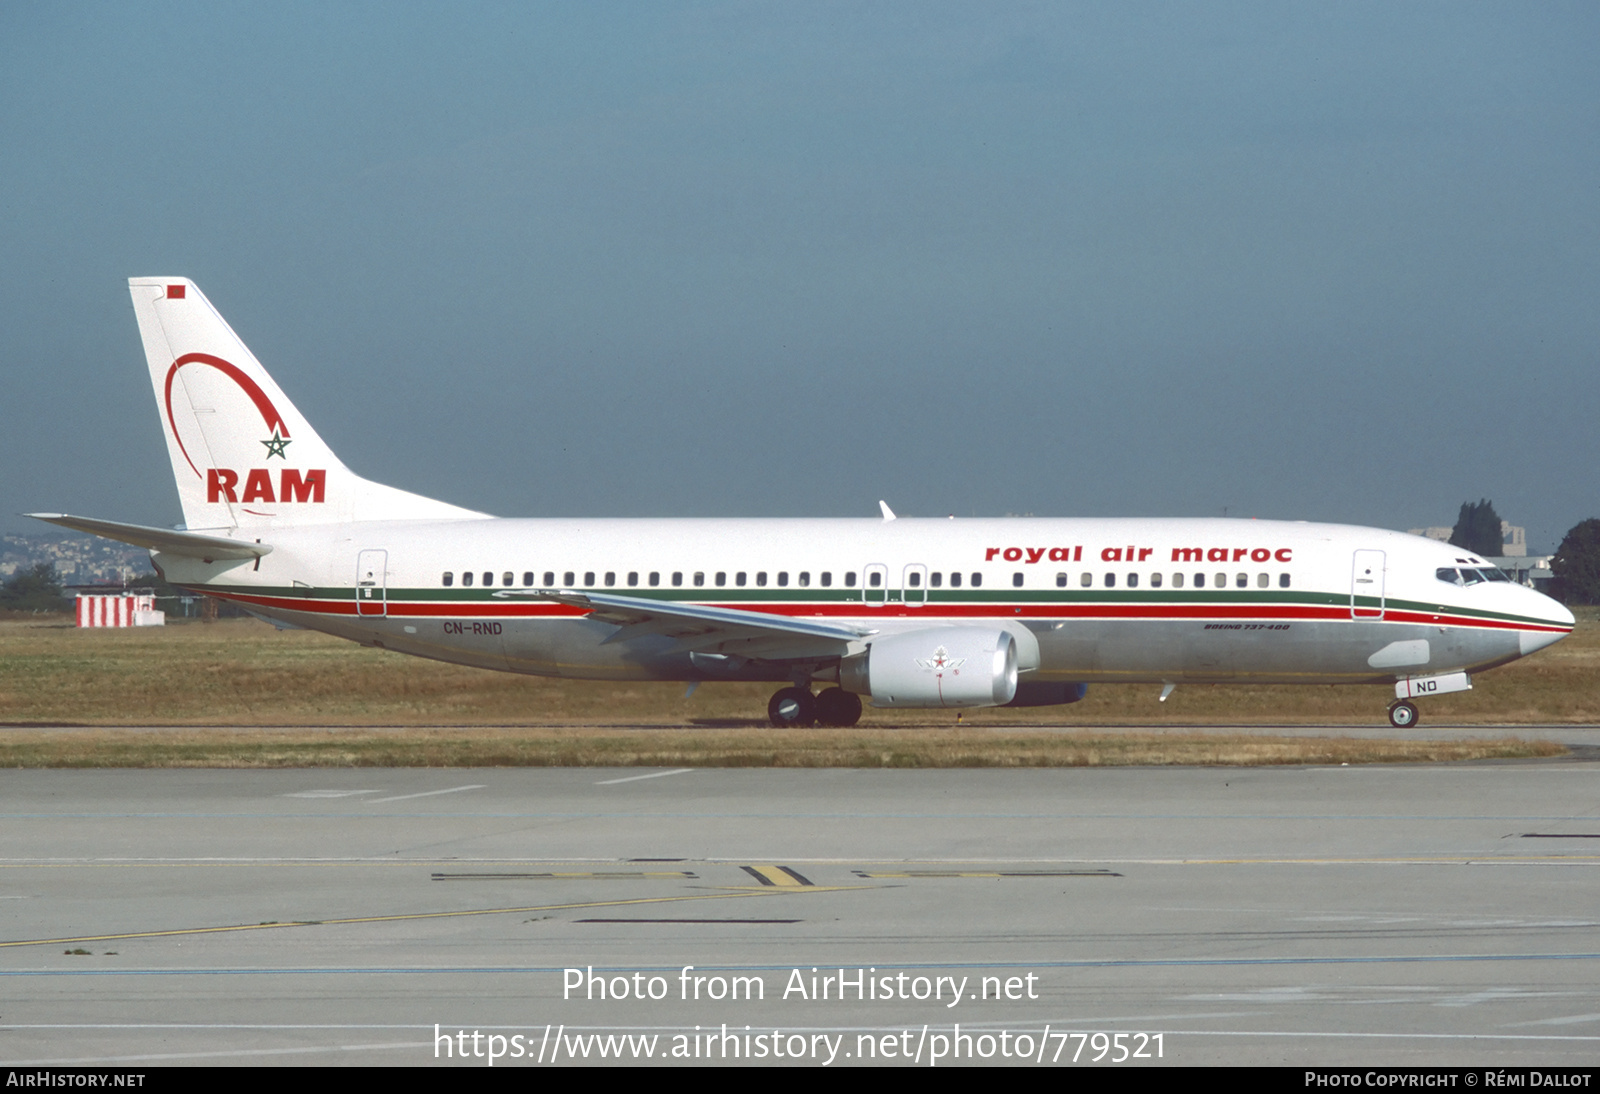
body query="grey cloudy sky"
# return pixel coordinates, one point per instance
(1332, 262)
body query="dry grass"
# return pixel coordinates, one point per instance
(241, 673)
(502, 747)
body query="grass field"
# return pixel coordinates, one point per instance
(245, 676)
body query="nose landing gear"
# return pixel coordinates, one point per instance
(1402, 715)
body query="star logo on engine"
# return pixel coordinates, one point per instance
(276, 446)
(941, 661)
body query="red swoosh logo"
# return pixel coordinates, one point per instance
(269, 413)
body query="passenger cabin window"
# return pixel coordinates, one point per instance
(804, 580)
(1133, 581)
(1199, 581)
(722, 579)
(588, 578)
(527, 577)
(1016, 579)
(874, 579)
(914, 580)
(761, 579)
(506, 578)
(1155, 581)
(655, 578)
(466, 577)
(1086, 579)
(977, 579)
(738, 579)
(955, 580)
(783, 579)
(827, 579)
(550, 578)
(488, 578)
(1222, 581)
(569, 578)
(1111, 581)
(633, 578)
(1283, 581)
(449, 579)
(1263, 581)
(935, 579)
(677, 578)
(850, 579)
(1177, 581)
(1061, 581)
(699, 578)
(1242, 581)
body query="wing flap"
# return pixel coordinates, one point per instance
(695, 626)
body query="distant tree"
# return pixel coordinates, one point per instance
(1478, 529)
(38, 589)
(1577, 564)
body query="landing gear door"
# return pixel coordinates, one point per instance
(875, 585)
(372, 583)
(1366, 585)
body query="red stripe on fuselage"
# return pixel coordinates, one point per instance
(1305, 613)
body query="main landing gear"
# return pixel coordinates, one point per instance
(1402, 715)
(796, 708)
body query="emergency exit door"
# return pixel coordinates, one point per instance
(371, 583)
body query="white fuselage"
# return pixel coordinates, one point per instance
(1105, 600)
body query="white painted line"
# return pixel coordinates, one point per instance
(331, 793)
(1569, 1020)
(653, 775)
(424, 794)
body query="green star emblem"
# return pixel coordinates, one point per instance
(276, 446)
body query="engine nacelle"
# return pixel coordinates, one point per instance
(1036, 694)
(937, 667)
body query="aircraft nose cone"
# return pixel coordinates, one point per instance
(1551, 611)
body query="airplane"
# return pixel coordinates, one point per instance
(922, 613)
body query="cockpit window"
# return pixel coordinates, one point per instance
(1469, 576)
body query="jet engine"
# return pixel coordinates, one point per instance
(937, 667)
(1041, 694)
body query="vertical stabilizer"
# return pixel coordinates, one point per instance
(242, 454)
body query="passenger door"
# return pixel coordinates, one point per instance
(372, 583)
(1366, 585)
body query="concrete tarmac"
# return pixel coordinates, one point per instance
(1364, 916)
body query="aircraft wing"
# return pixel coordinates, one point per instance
(166, 540)
(696, 626)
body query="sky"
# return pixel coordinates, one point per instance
(1330, 262)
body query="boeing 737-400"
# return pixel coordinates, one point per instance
(907, 612)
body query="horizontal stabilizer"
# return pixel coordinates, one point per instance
(165, 540)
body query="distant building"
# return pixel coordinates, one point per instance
(1513, 539)
(123, 610)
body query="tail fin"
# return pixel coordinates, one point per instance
(243, 456)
